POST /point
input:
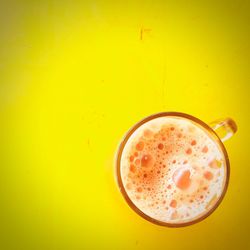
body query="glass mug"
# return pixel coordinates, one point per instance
(173, 169)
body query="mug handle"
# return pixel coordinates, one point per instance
(224, 128)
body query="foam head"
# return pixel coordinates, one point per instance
(173, 170)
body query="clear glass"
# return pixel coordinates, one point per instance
(224, 128)
(220, 130)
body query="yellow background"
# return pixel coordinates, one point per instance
(75, 76)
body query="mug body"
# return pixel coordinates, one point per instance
(197, 122)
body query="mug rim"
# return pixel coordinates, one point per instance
(123, 190)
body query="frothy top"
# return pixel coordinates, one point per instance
(173, 170)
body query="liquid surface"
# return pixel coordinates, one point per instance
(173, 170)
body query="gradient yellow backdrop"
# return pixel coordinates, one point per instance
(75, 76)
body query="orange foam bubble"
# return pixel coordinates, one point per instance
(179, 135)
(140, 146)
(137, 162)
(215, 164)
(146, 160)
(181, 178)
(135, 154)
(208, 175)
(193, 142)
(205, 149)
(132, 168)
(189, 151)
(148, 133)
(138, 197)
(173, 203)
(128, 186)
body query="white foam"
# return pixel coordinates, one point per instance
(150, 192)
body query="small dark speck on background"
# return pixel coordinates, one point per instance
(144, 31)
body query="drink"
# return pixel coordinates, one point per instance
(173, 170)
